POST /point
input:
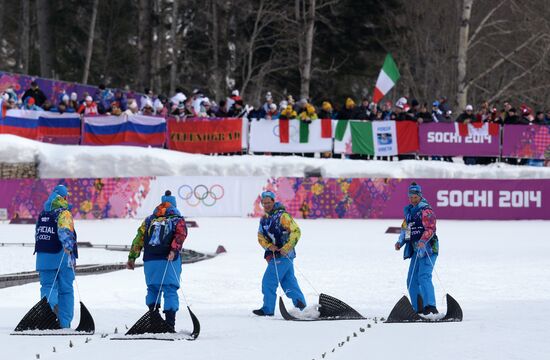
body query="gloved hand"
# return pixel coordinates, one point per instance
(172, 255)
(421, 249)
(397, 246)
(273, 248)
(131, 264)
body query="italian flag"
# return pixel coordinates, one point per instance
(384, 138)
(387, 79)
(284, 130)
(478, 128)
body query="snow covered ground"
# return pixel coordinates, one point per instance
(65, 161)
(498, 271)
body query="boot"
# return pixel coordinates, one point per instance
(430, 310)
(152, 307)
(171, 319)
(260, 312)
(300, 305)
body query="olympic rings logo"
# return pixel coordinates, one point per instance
(194, 196)
(292, 131)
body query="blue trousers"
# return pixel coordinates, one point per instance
(62, 294)
(285, 269)
(154, 271)
(420, 280)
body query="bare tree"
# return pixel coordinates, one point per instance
(462, 59)
(145, 47)
(173, 47)
(24, 30)
(90, 47)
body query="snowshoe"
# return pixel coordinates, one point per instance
(329, 308)
(40, 320)
(151, 326)
(403, 312)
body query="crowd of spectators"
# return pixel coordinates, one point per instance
(114, 102)
(107, 101)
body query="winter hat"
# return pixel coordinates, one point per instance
(65, 98)
(469, 107)
(30, 100)
(283, 104)
(74, 96)
(268, 194)
(5, 96)
(60, 190)
(235, 92)
(415, 189)
(167, 197)
(435, 103)
(268, 96)
(326, 106)
(133, 104)
(310, 109)
(148, 103)
(350, 103)
(89, 98)
(272, 107)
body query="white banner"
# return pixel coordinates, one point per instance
(384, 138)
(205, 196)
(264, 137)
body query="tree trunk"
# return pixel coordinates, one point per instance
(305, 70)
(462, 91)
(45, 38)
(159, 38)
(24, 30)
(144, 43)
(215, 70)
(90, 47)
(174, 46)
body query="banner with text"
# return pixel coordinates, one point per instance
(526, 141)
(446, 139)
(206, 136)
(313, 198)
(266, 136)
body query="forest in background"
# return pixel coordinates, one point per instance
(467, 50)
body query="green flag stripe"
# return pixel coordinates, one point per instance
(340, 131)
(361, 138)
(304, 132)
(390, 68)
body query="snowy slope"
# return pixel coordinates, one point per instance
(62, 161)
(496, 270)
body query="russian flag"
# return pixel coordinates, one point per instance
(22, 123)
(59, 128)
(140, 130)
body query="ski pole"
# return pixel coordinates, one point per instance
(301, 273)
(161, 284)
(437, 275)
(179, 280)
(412, 273)
(55, 277)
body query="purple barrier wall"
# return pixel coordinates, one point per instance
(443, 139)
(526, 141)
(385, 198)
(329, 198)
(52, 88)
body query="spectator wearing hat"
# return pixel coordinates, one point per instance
(272, 113)
(147, 95)
(30, 104)
(36, 93)
(266, 107)
(350, 111)
(237, 109)
(121, 99)
(437, 114)
(147, 108)
(327, 111)
(467, 116)
(115, 109)
(512, 117)
(133, 108)
(89, 107)
(222, 111)
(288, 113)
